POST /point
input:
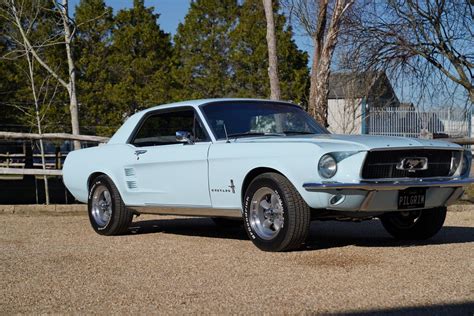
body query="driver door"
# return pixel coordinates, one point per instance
(163, 171)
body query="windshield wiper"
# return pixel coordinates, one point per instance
(298, 132)
(254, 134)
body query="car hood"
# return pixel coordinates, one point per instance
(351, 142)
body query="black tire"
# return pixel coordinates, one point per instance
(295, 212)
(227, 222)
(414, 225)
(120, 218)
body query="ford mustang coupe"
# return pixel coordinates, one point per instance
(265, 164)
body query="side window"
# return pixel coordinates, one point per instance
(160, 129)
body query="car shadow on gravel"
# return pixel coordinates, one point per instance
(466, 308)
(323, 235)
(334, 234)
(199, 227)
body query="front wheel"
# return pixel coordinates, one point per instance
(276, 217)
(107, 212)
(414, 225)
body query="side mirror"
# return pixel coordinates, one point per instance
(184, 137)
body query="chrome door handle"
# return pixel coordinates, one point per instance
(139, 152)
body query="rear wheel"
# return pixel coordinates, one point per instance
(276, 217)
(414, 225)
(107, 212)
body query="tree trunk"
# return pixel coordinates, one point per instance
(73, 106)
(324, 49)
(318, 40)
(272, 51)
(38, 121)
(71, 85)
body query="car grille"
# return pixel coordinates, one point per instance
(383, 164)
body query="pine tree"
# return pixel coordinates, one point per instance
(250, 56)
(140, 60)
(92, 47)
(202, 50)
(9, 116)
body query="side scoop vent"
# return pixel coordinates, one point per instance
(130, 178)
(132, 184)
(129, 172)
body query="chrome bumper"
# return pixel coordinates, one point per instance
(388, 185)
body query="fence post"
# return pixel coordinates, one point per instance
(363, 125)
(28, 155)
(470, 122)
(56, 157)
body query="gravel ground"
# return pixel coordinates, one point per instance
(57, 264)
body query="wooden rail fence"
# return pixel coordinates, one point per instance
(62, 136)
(10, 165)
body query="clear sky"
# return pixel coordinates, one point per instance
(171, 12)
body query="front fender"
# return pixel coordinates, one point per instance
(231, 165)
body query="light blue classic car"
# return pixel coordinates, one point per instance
(266, 165)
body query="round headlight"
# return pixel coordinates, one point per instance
(327, 166)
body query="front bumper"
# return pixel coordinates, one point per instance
(382, 195)
(389, 185)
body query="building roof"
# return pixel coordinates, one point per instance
(371, 85)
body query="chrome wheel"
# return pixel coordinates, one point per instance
(101, 206)
(266, 213)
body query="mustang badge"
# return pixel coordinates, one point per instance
(412, 164)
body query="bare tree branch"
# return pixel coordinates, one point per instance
(14, 14)
(405, 35)
(322, 26)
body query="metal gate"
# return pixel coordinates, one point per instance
(412, 123)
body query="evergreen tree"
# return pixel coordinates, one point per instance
(249, 56)
(92, 46)
(202, 50)
(140, 60)
(9, 115)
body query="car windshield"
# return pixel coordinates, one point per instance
(247, 118)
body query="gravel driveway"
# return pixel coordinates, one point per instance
(57, 264)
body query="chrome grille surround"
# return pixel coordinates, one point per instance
(382, 164)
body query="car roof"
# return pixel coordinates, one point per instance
(122, 134)
(199, 102)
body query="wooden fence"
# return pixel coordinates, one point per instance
(10, 160)
(62, 136)
(14, 163)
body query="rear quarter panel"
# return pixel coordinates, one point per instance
(81, 164)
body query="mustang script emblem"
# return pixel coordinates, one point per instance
(411, 164)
